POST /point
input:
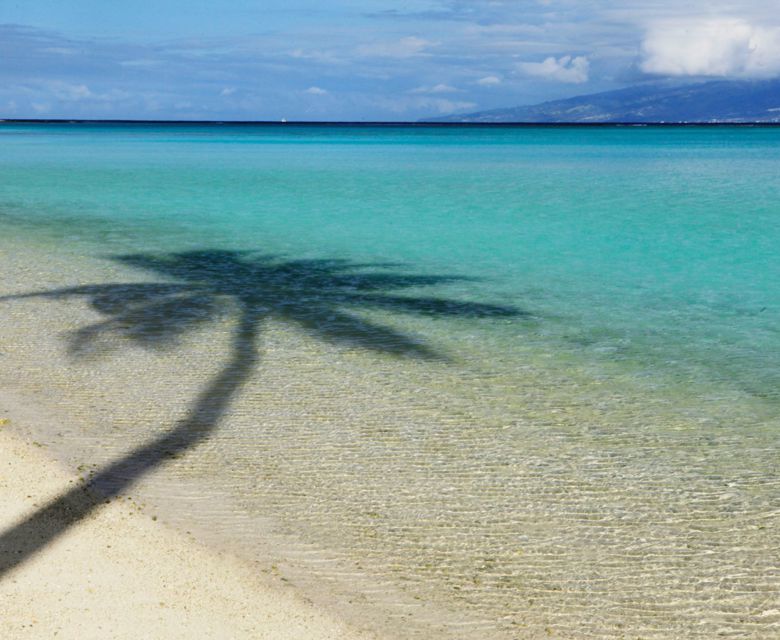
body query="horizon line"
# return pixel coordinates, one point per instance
(387, 123)
(406, 123)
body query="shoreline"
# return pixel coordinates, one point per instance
(118, 570)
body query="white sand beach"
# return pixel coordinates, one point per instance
(119, 574)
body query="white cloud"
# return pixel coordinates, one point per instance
(489, 81)
(563, 69)
(403, 48)
(140, 64)
(443, 105)
(227, 91)
(316, 91)
(62, 51)
(429, 104)
(437, 88)
(316, 55)
(446, 107)
(720, 47)
(69, 92)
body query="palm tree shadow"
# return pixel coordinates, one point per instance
(318, 296)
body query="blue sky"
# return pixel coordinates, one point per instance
(360, 60)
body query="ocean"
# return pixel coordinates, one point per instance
(493, 382)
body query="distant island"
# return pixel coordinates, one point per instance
(722, 101)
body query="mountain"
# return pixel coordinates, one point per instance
(717, 101)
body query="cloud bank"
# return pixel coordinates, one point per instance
(727, 47)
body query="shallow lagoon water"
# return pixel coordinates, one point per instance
(564, 423)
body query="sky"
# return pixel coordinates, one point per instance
(360, 59)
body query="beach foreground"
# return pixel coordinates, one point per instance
(119, 574)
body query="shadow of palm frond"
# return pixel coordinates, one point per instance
(321, 297)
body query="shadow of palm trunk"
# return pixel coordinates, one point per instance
(23, 540)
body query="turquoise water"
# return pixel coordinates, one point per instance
(595, 354)
(655, 245)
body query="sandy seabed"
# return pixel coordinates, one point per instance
(389, 493)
